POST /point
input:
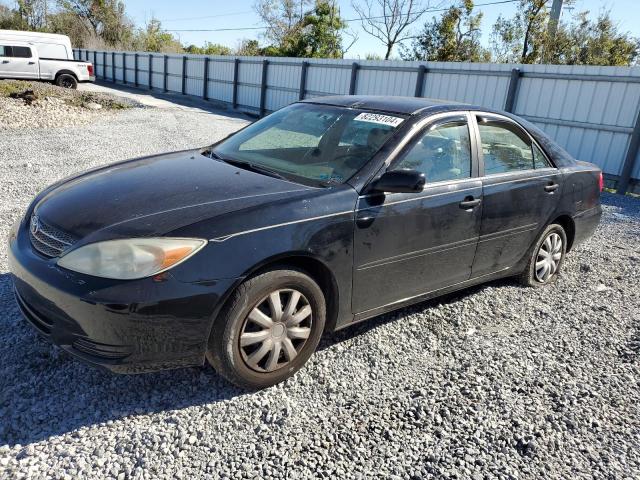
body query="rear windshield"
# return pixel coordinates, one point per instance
(314, 144)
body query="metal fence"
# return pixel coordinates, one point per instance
(593, 112)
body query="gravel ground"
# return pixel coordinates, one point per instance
(54, 106)
(497, 381)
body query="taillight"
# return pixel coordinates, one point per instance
(90, 70)
(601, 181)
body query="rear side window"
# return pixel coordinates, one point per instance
(505, 148)
(21, 52)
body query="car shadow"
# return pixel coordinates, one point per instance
(45, 392)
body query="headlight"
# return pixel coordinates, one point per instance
(131, 258)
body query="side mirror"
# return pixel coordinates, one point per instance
(400, 181)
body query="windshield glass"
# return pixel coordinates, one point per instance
(316, 144)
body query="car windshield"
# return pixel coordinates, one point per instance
(310, 144)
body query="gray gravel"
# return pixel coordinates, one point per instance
(498, 381)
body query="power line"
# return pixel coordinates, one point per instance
(500, 2)
(203, 17)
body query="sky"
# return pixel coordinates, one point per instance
(216, 14)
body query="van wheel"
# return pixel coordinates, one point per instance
(268, 329)
(545, 258)
(67, 80)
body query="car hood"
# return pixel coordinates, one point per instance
(155, 195)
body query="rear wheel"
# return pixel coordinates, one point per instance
(269, 328)
(67, 80)
(545, 258)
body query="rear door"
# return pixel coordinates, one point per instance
(520, 190)
(409, 244)
(18, 62)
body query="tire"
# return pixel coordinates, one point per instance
(535, 275)
(251, 365)
(66, 80)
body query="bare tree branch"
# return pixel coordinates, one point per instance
(389, 20)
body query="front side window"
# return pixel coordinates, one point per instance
(442, 153)
(313, 144)
(505, 148)
(539, 159)
(21, 52)
(5, 51)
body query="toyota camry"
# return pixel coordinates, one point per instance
(325, 213)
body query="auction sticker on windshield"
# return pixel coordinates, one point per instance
(380, 119)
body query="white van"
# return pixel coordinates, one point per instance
(48, 45)
(32, 56)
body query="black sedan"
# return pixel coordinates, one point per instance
(325, 213)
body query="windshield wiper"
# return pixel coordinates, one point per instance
(250, 166)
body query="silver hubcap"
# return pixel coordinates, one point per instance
(275, 330)
(548, 257)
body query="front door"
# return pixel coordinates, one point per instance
(409, 244)
(520, 192)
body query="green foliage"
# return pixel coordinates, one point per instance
(587, 42)
(525, 38)
(249, 48)
(209, 49)
(455, 37)
(313, 33)
(154, 39)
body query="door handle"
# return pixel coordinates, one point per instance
(552, 187)
(364, 221)
(5, 61)
(469, 203)
(32, 63)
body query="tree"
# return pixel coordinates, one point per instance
(453, 38)
(154, 39)
(209, 49)
(282, 18)
(106, 19)
(521, 38)
(389, 20)
(317, 32)
(587, 42)
(248, 48)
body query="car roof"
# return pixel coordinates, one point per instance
(403, 105)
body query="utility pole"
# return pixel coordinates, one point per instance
(552, 28)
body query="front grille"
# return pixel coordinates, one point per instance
(47, 240)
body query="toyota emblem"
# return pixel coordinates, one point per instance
(35, 224)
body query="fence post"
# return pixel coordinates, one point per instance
(135, 69)
(205, 79)
(150, 71)
(630, 158)
(354, 78)
(184, 74)
(420, 80)
(113, 66)
(95, 63)
(104, 65)
(303, 80)
(512, 93)
(236, 65)
(263, 87)
(124, 68)
(166, 64)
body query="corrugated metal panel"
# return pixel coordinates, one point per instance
(591, 117)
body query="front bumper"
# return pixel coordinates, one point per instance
(126, 326)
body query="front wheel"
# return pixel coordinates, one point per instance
(545, 258)
(268, 329)
(66, 80)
